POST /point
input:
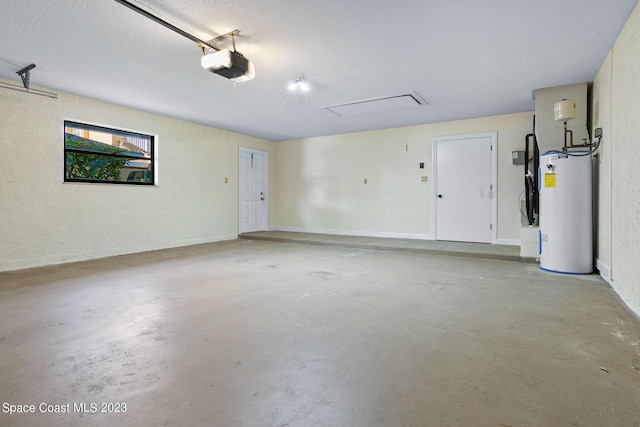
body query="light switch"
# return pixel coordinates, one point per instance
(424, 179)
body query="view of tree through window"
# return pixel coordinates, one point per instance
(98, 154)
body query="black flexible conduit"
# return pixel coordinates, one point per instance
(536, 171)
(531, 183)
(527, 180)
(165, 23)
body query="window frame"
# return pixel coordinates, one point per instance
(113, 131)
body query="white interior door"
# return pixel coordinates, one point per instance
(252, 183)
(463, 188)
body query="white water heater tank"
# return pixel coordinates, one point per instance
(566, 234)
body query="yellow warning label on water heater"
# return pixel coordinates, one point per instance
(550, 180)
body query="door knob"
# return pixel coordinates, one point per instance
(439, 196)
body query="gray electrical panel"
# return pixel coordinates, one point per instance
(517, 157)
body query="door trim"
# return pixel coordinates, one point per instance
(264, 221)
(494, 178)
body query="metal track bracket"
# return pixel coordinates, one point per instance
(224, 37)
(25, 75)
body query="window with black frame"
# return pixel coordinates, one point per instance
(104, 155)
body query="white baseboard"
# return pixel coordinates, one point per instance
(413, 236)
(605, 271)
(510, 242)
(355, 233)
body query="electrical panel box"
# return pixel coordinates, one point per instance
(517, 157)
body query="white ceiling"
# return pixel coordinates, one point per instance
(466, 58)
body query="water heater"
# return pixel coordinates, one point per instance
(566, 234)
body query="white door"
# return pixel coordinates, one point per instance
(252, 184)
(463, 187)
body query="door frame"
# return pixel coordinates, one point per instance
(494, 178)
(264, 221)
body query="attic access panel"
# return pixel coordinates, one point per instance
(377, 105)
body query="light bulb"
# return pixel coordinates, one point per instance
(299, 83)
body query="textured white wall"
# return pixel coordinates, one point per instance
(45, 221)
(625, 163)
(321, 186)
(601, 118)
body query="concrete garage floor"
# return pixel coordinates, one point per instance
(260, 333)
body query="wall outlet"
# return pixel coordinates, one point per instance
(424, 178)
(365, 180)
(226, 180)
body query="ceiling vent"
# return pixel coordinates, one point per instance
(377, 105)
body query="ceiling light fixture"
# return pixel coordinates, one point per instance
(299, 84)
(230, 64)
